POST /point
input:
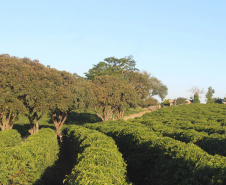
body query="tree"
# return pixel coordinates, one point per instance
(111, 96)
(22, 90)
(30, 88)
(10, 106)
(181, 101)
(196, 98)
(64, 96)
(196, 90)
(158, 88)
(146, 85)
(166, 102)
(140, 82)
(209, 95)
(33, 91)
(218, 100)
(112, 66)
(196, 94)
(150, 101)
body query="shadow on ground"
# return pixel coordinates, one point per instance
(55, 174)
(75, 118)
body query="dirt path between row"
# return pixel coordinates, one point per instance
(136, 114)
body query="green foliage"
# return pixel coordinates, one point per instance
(112, 66)
(145, 84)
(131, 111)
(98, 160)
(209, 95)
(154, 159)
(148, 102)
(29, 88)
(25, 163)
(203, 125)
(213, 144)
(166, 102)
(158, 88)
(219, 100)
(24, 90)
(181, 101)
(10, 83)
(200, 117)
(196, 98)
(111, 96)
(64, 96)
(9, 138)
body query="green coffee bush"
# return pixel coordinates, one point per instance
(98, 160)
(25, 163)
(9, 138)
(213, 144)
(154, 159)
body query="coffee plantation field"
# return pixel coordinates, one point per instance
(183, 145)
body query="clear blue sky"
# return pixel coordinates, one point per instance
(181, 42)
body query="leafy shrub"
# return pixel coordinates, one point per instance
(213, 144)
(9, 138)
(154, 159)
(98, 160)
(25, 163)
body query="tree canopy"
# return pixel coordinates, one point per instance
(112, 66)
(10, 106)
(145, 84)
(111, 96)
(181, 101)
(63, 96)
(30, 88)
(112, 86)
(209, 95)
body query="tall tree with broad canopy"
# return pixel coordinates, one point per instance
(33, 91)
(10, 106)
(112, 66)
(65, 96)
(111, 96)
(145, 85)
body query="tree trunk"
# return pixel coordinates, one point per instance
(120, 114)
(6, 122)
(34, 127)
(34, 124)
(107, 113)
(58, 122)
(100, 116)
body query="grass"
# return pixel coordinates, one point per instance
(133, 111)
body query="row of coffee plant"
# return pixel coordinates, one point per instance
(9, 138)
(26, 162)
(206, 118)
(154, 159)
(96, 157)
(213, 144)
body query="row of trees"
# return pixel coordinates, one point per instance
(209, 95)
(196, 97)
(29, 88)
(109, 88)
